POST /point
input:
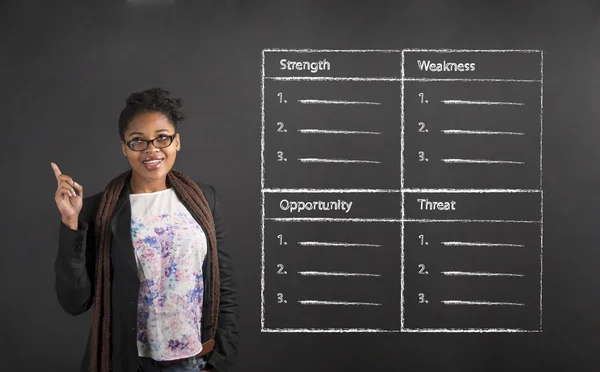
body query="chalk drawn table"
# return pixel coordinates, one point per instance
(402, 190)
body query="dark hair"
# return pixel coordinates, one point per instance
(150, 100)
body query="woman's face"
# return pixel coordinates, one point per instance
(151, 164)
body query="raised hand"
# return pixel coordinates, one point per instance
(68, 197)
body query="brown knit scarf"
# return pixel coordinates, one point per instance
(192, 197)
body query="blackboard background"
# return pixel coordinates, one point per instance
(66, 69)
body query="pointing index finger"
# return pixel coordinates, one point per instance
(56, 170)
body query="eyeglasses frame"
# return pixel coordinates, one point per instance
(172, 136)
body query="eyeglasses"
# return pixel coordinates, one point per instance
(159, 142)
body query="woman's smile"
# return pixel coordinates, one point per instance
(153, 163)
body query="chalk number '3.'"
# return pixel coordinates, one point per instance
(280, 299)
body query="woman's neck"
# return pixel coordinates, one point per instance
(138, 186)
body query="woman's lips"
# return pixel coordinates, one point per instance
(153, 164)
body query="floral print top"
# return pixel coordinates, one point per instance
(170, 247)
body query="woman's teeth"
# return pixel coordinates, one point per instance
(153, 164)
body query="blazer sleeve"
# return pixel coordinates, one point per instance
(74, 265)
(224, 354)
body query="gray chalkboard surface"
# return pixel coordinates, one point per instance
(407, 185)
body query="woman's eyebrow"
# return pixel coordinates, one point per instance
(141, 134)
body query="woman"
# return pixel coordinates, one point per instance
(144, 251)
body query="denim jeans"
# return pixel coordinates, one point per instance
(187, 365)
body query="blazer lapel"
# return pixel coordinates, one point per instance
(121, 229)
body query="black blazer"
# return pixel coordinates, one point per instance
(75, 283)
